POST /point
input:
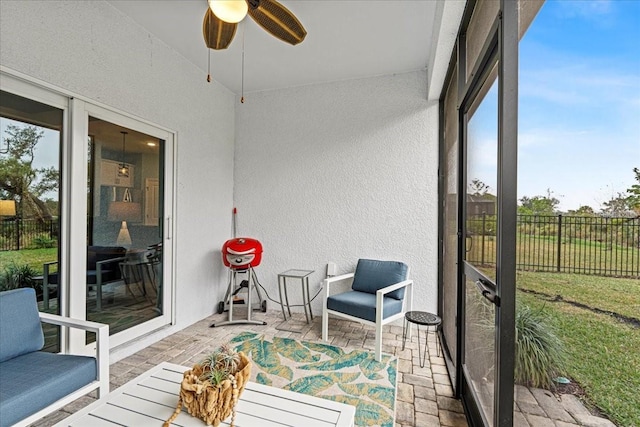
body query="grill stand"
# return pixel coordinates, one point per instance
(250, 284)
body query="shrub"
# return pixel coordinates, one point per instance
(539, 352)
(17, 276)
(42, 241)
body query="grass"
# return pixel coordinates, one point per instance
(576, 255)
(602, 352)
(620, 296)
(35, 258)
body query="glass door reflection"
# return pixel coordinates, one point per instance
(124, 238)
(30, 202)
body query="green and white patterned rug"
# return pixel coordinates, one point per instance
(348, 376)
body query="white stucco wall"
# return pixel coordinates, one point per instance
(90, 49)
(340, 171)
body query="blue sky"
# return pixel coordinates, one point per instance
(579, 106)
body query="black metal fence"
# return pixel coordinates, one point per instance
(16, 234)
(566, 244)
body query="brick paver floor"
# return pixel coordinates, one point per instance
(424, 398)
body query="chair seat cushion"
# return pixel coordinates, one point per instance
(33, 381)
(363, 305)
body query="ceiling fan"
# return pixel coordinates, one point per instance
(222, 17)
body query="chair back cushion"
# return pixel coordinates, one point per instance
(103, 253)
(20, 328)
(372, 275)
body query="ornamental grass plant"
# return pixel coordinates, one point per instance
(540, 355)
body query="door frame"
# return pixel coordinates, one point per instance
(501, 44)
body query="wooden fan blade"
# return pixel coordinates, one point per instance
(277, 20)
(217, 33)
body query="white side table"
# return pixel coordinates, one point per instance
(303, 276)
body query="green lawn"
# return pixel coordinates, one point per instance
(35, 258)
(621, 296)
(540, 253)
(603, 352)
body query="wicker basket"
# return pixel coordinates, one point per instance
(211, 403)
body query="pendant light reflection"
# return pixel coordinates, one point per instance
(231, 11)
(123, 170)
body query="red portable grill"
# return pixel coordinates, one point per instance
(241, 253)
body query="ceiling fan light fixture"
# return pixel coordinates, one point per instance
(231, 11)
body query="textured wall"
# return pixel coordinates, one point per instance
(91, 49)
(340, 171)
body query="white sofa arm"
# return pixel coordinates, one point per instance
(102, 343)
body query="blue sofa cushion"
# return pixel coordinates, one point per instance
(33, 381)
(363, 305)
(372, 275)
(20, 328)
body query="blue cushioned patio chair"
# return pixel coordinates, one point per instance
(34, 383)
(102, 269)
(377, 297)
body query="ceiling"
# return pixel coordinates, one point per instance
(346, 39)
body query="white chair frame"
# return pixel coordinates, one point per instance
(380, 320)
(101, 384)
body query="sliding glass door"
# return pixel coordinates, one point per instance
(124, 218)
(126, 192)
(478, 193)
(107, 259)
(479, 264)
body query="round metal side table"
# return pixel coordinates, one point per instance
(425, 319)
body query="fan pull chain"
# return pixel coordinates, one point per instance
(242, 84)
(209, 66)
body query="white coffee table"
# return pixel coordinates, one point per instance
(151, 398)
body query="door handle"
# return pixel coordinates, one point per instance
(487, 292)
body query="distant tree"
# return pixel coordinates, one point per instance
(634, 193)
(539, 205)
(619, 206)
(478, 188)
(583, 211)
(19, 179)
